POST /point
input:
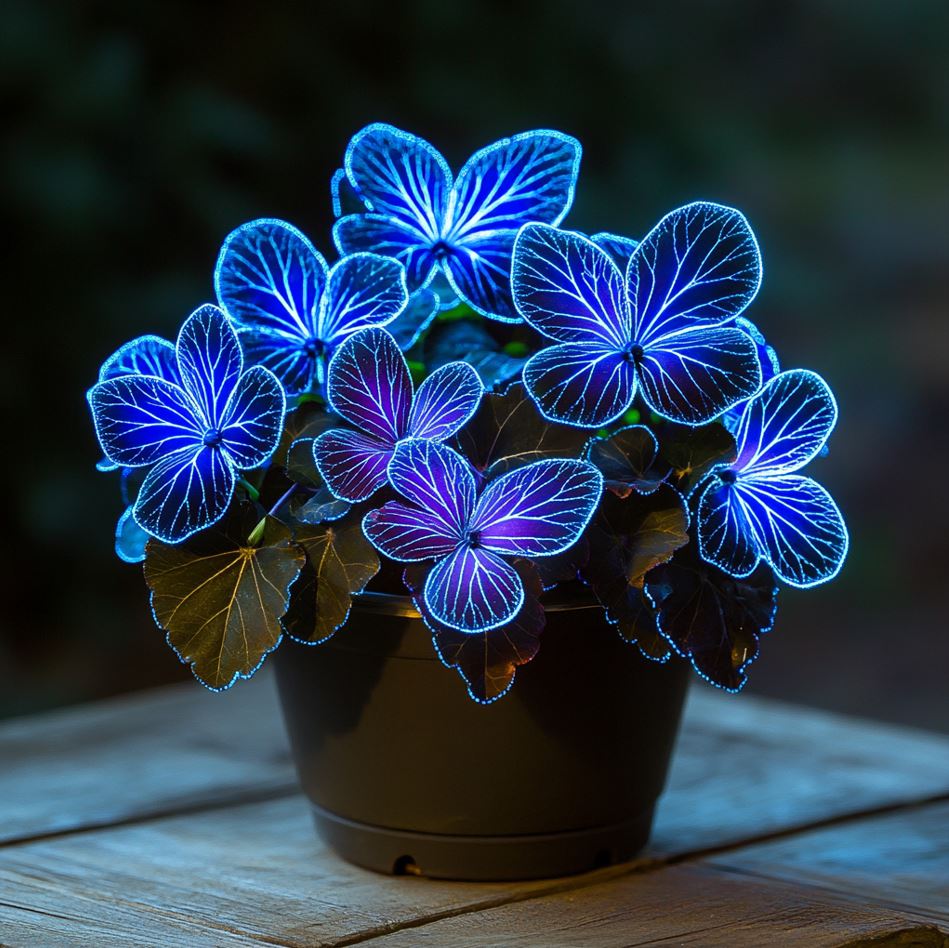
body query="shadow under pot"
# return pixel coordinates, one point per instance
(406, 774)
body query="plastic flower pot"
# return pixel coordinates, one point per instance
(406, 774)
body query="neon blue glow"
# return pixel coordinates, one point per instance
(660, 331)
(146, 355)
(194, 436)
(370, 386)
(411, 323)
(758, 508)
(130, 538)
(618, 247)
(291, 310)
(537, 510)
(463, 228)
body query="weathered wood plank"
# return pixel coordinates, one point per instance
(681, 905)
(900, 860)
(744, 766)
(157, 751)
(231, 876)
(747, 766)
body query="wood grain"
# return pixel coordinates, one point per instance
(128, 823)
(900, 860)
(681, 905)
(158, 751)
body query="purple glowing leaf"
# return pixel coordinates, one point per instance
(408, 534)
(473, 589)
(581, 383)
(445, 402)
(699, 264)
(436, 479)
(569, 289)
(538, 510)
(487, 661)
(368, 384)
(786, 425)
(352, 464)
(698, 373)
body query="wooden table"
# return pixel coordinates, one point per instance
(172, 818)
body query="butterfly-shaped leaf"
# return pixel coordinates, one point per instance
(219, 599)
(711, 618)
(658, 331)
(340, 561)
(487, 661)
(629, 537)
(507, 431)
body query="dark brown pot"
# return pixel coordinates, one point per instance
(407, 774)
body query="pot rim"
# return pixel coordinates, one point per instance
(394, 604)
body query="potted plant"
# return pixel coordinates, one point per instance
(482, 442)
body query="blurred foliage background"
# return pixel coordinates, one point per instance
(137, 135)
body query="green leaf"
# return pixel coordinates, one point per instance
(340, 561)
(693, 452)
(507, 431)
(712, 618)
(628, 537)
(487, 661)
(627, 459)
(220, 600)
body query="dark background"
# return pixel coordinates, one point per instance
(136, 136)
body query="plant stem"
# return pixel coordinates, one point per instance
(252, 491)
(273, 510)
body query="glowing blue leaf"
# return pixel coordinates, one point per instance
(479, 272)
(583, 384)
(400, 175)
(375, 233)
(130, 539)
(352, 464)
(210, 361)
(196, 434)
(252, 422)
(368, 384)
(409, 534)
(786, 424)
(408, 326)
(363, 289)
(445, 401)
(699, 263)
(537, 510)
(184, 493)
(723, 531)
(146, 355)
(288, 357)
(345, 198)
(619, 248)
(436, 479)
(141, 419)
(569, 289)
(269, 276)
(770, 366)
(796, 526)
(696, 374)
(528, 177)
(473, 589)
